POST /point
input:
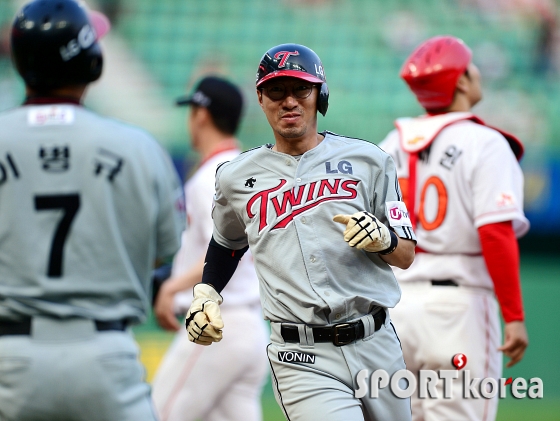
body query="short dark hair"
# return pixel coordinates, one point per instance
(225, 123)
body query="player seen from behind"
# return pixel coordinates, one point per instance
(87, 205)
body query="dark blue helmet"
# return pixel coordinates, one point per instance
(54, 44)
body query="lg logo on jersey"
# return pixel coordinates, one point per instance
(344, 167)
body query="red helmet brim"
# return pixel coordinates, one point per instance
(290, 73)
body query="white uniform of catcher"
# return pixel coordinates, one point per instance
(468, 178)
(214, 383)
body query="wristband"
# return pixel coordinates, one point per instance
(393, 246)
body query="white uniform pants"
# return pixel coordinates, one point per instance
(436, 322)
(66, 370)
(219, 382)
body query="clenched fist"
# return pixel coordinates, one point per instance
(204, 321)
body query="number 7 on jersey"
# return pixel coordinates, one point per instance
(69, 203)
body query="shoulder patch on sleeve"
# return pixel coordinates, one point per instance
(397, 214)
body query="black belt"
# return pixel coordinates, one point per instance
(24, 327)
(445, 283)
(340, 334)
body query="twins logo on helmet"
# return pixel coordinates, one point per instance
(283, 56)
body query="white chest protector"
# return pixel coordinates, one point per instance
(456, 174)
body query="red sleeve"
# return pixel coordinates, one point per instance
(501, 253)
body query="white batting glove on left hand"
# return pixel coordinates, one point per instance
(365, 231)
(204, 320)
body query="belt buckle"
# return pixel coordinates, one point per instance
(336, 334)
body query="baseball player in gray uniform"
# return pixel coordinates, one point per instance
(87, 205)
(323, 216)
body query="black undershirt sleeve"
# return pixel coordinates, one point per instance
(220, 264)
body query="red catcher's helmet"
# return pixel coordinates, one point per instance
(433, 69)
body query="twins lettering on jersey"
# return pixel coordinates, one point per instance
(288, 204)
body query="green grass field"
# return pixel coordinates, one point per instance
(541, 290)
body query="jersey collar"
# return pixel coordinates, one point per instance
(44, 100)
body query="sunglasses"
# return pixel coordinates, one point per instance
(277, 91)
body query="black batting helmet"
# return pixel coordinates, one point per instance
(297, 61)
(54, 44)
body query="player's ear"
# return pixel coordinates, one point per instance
(203, 116)
(260, 97)
(463, 83)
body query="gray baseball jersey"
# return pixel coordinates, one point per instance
(87, 205)
(282, 208)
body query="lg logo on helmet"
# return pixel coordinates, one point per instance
(85, 39)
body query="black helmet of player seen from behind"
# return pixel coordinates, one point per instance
(54, 44)
(294, 60)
